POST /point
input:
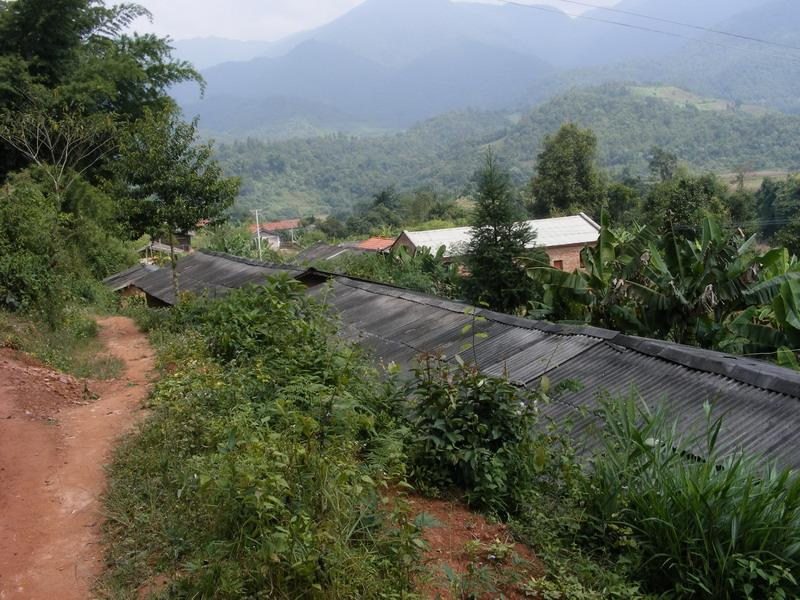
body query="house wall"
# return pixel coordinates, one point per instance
(404, 241)
(569, 255)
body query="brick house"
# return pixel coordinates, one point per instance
(562, 238)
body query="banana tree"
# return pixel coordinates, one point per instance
(772, 320)
(716, 290)
(688, 289)
(596, 294)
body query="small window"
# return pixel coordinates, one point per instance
(559, 264)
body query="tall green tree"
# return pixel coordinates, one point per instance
(500, 237)
(778, 204)
(172, 181)
(663, 164)
(680, 204)
(76, 58)
(567, 179)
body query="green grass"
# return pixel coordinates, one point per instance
(72, 346)
(721, 526)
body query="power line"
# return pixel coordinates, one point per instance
(555, 11)
(682, 24)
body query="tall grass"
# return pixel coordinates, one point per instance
(720, 526)
(70, 346)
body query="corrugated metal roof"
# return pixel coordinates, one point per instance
(558, 231)
(376, 244)
(323, 251)
(210, 273)
(128, 277)
(760, 401)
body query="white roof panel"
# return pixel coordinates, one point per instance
(558, 231)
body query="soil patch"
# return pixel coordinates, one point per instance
(56, 433)
(467, 556)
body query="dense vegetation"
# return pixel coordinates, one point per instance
(81, 102)
(273, 447)
(266, 463)
(329, 174)
(708, 288)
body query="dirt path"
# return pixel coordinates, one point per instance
(54, 442)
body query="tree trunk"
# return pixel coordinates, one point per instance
(173, 264)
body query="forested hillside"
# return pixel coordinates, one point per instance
(329, 174)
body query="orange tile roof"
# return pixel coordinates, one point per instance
(278, 225)
(376, 243)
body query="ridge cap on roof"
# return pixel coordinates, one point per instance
(249, 261)
(437, 230)
(758, 373)
(591, 221)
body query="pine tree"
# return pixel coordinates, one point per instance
(500, 236)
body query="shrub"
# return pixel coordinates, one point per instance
(478, 433)
(723, 526)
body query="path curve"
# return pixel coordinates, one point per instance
(54, 442)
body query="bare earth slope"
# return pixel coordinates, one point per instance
(54, 441)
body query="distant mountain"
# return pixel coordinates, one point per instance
(463, 75)
(758, 74)
(331, 173)
(389, 63)
(209, 51)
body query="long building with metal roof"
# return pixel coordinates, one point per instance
(556, 232)
(760, 401)
(208, 273)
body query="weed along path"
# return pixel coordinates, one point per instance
(55, 437)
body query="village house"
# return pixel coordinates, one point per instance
(270, 232)
(562, 238)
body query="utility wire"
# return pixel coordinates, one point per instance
(682, 24)
(555, 11)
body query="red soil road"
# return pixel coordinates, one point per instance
(54, 441)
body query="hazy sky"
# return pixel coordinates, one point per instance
(258, 19)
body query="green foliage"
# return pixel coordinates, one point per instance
(476, 433)
(680, 203)
(265, 464)
(714, 290)
(500, 237)
(422, 272)
(73, 80)
(778, 209)
(663, 165)
(48, 256)
(26, 278)
(723, 526)
(171, 179)
(567, 180)
(76, 56)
